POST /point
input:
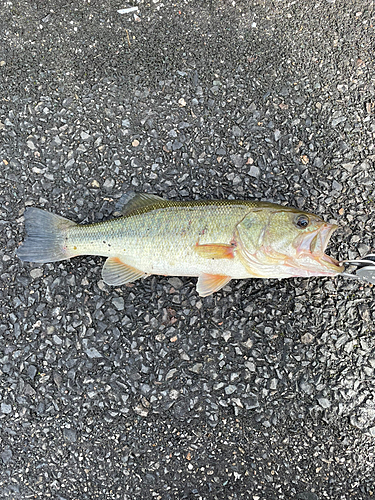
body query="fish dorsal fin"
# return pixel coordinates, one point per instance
(131, 201)
(115, 272)
(210, 283)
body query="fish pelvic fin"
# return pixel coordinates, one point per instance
(45, 237)
(210, 283)
(115, 272)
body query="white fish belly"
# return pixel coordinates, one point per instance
(227, 267)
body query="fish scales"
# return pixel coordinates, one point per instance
(162, 240)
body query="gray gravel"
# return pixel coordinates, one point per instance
(263, 391)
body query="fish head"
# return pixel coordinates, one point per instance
(279, 242)
(300, 240)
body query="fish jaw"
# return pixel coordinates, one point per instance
(310, 250)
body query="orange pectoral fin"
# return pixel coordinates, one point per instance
(215, 251)
(210, 283)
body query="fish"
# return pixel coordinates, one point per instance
(213, 240)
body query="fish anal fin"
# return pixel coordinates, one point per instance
(210, 283)
(215, 251)
(131, 201)
(116, 272)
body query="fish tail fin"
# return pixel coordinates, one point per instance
(46, 237)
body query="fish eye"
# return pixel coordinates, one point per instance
(302, 221)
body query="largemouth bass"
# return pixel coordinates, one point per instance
(214, 240)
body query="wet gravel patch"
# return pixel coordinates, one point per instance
(264, 390)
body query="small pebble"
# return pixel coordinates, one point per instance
(36, 273)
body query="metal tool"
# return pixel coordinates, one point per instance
(365, 270)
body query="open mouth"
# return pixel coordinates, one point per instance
(316, 243)
(320, 241)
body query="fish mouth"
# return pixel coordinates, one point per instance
(314, 246)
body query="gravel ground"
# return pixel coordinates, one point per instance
(263, 391)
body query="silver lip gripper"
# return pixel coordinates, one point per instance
(365, 271)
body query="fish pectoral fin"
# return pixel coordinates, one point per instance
(116, 272)
(215, 251)
(210, 283)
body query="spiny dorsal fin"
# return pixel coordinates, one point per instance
(131, 201)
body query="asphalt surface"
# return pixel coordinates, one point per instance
(264, 390)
